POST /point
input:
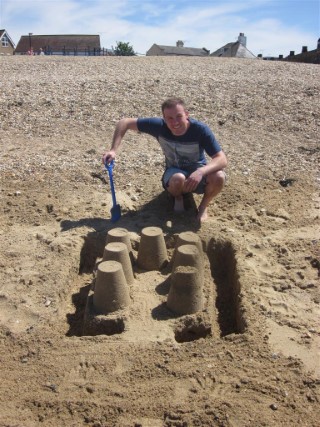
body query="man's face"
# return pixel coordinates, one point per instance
(176, 119)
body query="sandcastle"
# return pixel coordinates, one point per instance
(185, 294)
(111, 292)
(189, 238)
(152, 254)
(118, 251)
(109, 300)
(119, 235)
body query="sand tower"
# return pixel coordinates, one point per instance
(152, 253)
(119, 234)
(186, 291)
(189, 238)
(111, 291)
(188, 255)
(118, 251)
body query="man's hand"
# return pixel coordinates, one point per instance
(192, 182)
(108, 157)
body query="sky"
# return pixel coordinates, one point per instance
(272, 27)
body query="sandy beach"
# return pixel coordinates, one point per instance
(250, 355)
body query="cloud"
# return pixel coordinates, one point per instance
(141, 23)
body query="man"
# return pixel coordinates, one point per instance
(184, 142)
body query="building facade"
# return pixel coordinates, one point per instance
(6, 44)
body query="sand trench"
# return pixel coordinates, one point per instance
(179, 289)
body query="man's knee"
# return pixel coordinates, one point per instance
(216, 180)
(176, 181)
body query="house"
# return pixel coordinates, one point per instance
(6, 44)
(72, 44)
(178, 50)
(306, 56)
(236, 49)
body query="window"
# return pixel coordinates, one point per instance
(5, 41)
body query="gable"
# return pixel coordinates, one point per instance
(243, 52)
(233, 50)
(6, 44)
(5, 35)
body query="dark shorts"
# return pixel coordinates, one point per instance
(171, 171)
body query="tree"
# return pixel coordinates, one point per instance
(124, 49)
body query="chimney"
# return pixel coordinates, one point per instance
(180, 43)
(291, 53)
(242, 39)
(304, 49)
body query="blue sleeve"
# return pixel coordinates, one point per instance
(153, 126)
(209, 142)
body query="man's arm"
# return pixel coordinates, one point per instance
(122, 127)
(217, 162)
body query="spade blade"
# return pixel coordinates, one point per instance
(115, 213)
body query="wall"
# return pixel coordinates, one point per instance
(6, 50)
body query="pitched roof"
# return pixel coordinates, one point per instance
(311, 57)
(234, 50)
(59, 42)
(181, 50)
(4, 32)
